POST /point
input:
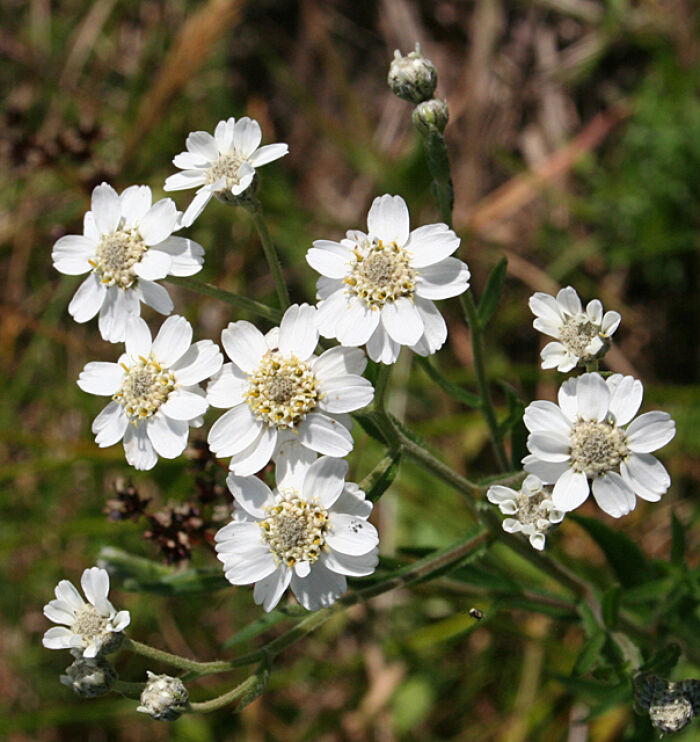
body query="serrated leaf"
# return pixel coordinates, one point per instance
(381, 477)
(677, 541)
(627, 560)
(590, 651)
(610, 605)
(457, 393)
(492, 293)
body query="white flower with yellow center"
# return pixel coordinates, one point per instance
(155, 391)
(308, 533)
(126, 245)
(532, 509)
(222, 165)
(278, 390)
(581, 336)
(378, 288)
(581, 444)
(88, 628)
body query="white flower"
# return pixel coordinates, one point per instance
(154, 390)
(223, 164)
(126, 245)
(91, 627)
(309, 532)
(583, 439)
(580, 336)
(532, 507)
(378, 288)
(278, 391)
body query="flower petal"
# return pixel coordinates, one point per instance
(227, 387)
(61, 637)
(186, 256)
(388, 219)
(196, 207)
(244, 345)
(324, 435)
(434, 328)
(269, 590)
(650, 431)
(203, 144)
(251, 570)
(546, 307)
(102, 379)
(95, 584)
(349, 534)
(646, 476)
(168, 436)
(155, 296)
(320, 589)
(298, 333)
(120, 305)
(256, 456)
(158, 222)
(329, 311)
(173, 340)
(613, 494)
(138, 449)
(247, 136)
(402, 321)
(234, 431)
(268, 153)
(569, 301)
(625, 398)
(186, 179)
(547, 471)
(138, 338)
(352, 502)
(110, 425)
(68, 593)
(88, 299)
(549, 447)
(381, 348)
(71, 254)
(592, 396)
(356, 323)
(153, 266)
(338, 362)
(251, 493)
(449, 277)
(353, 566)
(135, 202)
(184, 405)
(324, 480)
(106, 208)
(546, 417)
(570, 491)
(330, 259)
(431, 244)
(345, 393)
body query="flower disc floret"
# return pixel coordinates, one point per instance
(116, 255)
(146, 386)
(282, 390)
(597, 447)
(382, 273)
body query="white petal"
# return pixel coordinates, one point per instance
(329, 311)
(293, 461)
(252, 570)
(324, 480)
(547, 471)
(196, 207)
(227, 387)
(270, 589)
(247, 136)
(88, 299)
(155, 296)
(434, 328)
(646, 476)
(553, 329)
(138, 338)
(594, 311)
(569, 302)
(613, 494)
(592, 396)
(90, 227)
(329, 259)
(268, 153)
(203, 144)
(324, 435)
(546, 417)
(153, 266)
(381, 348)
(388, 219)
(610, 323)
(431, 244)
(60, 637)
(184, 180)
(68, 593)
(302, 569)
(71, 254)
(497, 494)
(625, 398)
(159, 222)
(168, 436)
(121, 620)
(173, 340)
(95, 584)
(138, 449)
(555, 355)
(110, 425)
(106, 208)
(545, 306)
(567, 399)
(339, 361)
(549, 447)
(190, 160)
(320, 589)
(200, 361)
(298, 333)
(570, 490)
(234, 431)
(237, 538)
(449, 277)
(402, 321)
(256, 456)
(246, 173)
(650, 431)
(119, 307)
(352, 502)
(511, 525)
(59, 611)
(356, 323)
(186, 256)
(103, 379)
(350, 535)
(537, 541)
(184, 405)
(224, 136)
(352, 566)
(244, 345)
(135, 202)
(345, 394)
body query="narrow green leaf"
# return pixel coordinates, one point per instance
(654, 591)
(627, 560)
(663, 661)
(590, 651)
(367, 421)
(381, 477)
(457, 393)
(677, 541)
(610, 605)
(492, 293)
(514, 425)
(260, 625)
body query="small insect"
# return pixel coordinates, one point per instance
(476, 613)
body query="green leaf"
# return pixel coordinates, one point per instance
(262, 624)
(457, 393)
(368, 422)
(610, 605)
(677, 541)
(600, 696)
(654, 591)
(492, 293)
(628, 654)
(590, 651)
(262, 675)
(663, 661)
(514, 424)
(381, 477)
(627, 560)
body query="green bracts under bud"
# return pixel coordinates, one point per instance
(431, 114)
(413, 77)
(164, 698)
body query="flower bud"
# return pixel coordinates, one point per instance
(671, 706)
(671, 712)
(430, 114)
(413, 77)
(90, 677)
(164, 698)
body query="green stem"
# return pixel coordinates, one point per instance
(273, 261)
(183, 663)
(439, 166)
(128, 690)
(381, 385)
(591, 365)
(242, 302)
(250, 688)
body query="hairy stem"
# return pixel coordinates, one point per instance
(273, 261)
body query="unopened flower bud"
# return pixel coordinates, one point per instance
(413, 77)
(430, 114)
(671, 712)
(671, 706)
(90, 677)
(164, 698)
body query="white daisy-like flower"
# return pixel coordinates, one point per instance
(581, 444)
(155, 391)
(127, 244)
(278, 390)
(378, 288)
(532, 509)
(89, 628)
(309, 532)
(222, 165)
(581, 336)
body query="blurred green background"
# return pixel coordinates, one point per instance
(575, 140)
